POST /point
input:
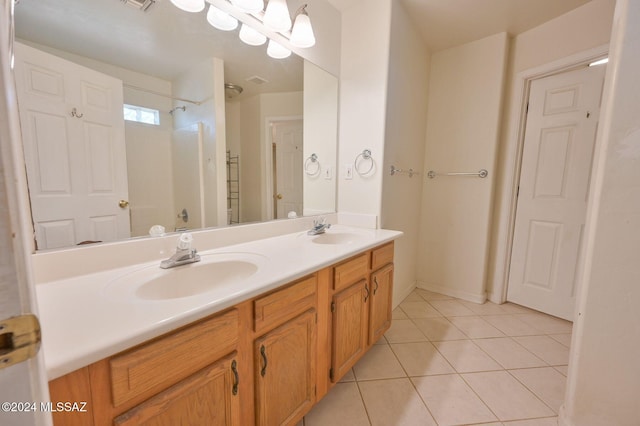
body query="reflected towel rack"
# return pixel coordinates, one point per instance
(410, 172)
(481, 174)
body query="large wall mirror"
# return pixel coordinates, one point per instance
(133, 118)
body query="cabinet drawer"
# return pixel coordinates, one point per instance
(284, 304)
(382, 256)
(165, 361)
(350, 271)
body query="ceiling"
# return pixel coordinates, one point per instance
(448, 23)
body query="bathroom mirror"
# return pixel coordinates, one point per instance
(217, 156)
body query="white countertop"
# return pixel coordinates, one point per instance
(83, 322)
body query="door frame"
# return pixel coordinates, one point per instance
(267, 151)
(515, 131)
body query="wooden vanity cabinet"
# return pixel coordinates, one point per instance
(360, 307)
(263, 361)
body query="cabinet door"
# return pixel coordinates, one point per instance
(349, 334)
(209, 397)
(285, 371)
(380, 310)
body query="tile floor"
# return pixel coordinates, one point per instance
(445, 361)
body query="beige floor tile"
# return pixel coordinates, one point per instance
(546, 323)
(421, 359)
(563, 369)
(404, 331)
(548, 421)
(465, 356)
(439, 329)
(451, 401)
(511, 325)
(414, 296)
(348, 377)
(476, 327)
(505, 396)
(509, 353)
(419, 310)
(398, 313)
(547, 383)
(450, 308)
(565, 339)
(430, 295)
(342, 406)
(486, 308)
(378, 363)
(545, 347)
(381, 341)
(394, 403)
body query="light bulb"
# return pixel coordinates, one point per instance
(193, 6)
(277, 51)
(277, 15)
(302, 32)
(221, 20)
(251, 36)
(249, 6)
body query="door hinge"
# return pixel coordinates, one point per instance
(19, 339)
(333, 307)
(527, 110)
(331, 374)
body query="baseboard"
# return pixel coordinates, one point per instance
(464, 295)
(495, 298)
(563, 420)
(403, 295)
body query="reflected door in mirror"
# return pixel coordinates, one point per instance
(287, 144)
(73, 132)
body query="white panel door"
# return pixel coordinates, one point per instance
(554, 185)
(73, 130)
(287, 137)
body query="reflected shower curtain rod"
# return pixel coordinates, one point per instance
(175, 98)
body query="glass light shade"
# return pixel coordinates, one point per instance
(249, 6)
(277, 51)
(277, 16)
(193, 6)
(221, 20)
(251, 36)
(302, 32)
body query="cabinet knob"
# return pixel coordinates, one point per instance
(236, 381)
(264, 360)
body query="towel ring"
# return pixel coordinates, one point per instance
(366, 155)
(313, 159)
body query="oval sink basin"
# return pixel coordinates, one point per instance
(212, 272)
(336, 238)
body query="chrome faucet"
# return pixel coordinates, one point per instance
(184, 253)
(319, 226)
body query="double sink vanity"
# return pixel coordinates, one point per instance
(253, 333)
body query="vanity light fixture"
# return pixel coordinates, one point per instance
(302, 32)
(276, 16)
(277, 51)
(193, 6)
(221, 20)
(249, 6)
(274, 21)
(251, 36)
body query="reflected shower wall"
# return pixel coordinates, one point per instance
(187, 152)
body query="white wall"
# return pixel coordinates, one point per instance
(363, 96)
(320, 135)
(581, 29)
(603, 384)
(465, 99)
(404, 144)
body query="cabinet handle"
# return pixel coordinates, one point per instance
(366, 296)
(236, 381)
(264, 361)
(375, 289)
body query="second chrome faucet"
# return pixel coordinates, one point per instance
(184, 253)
